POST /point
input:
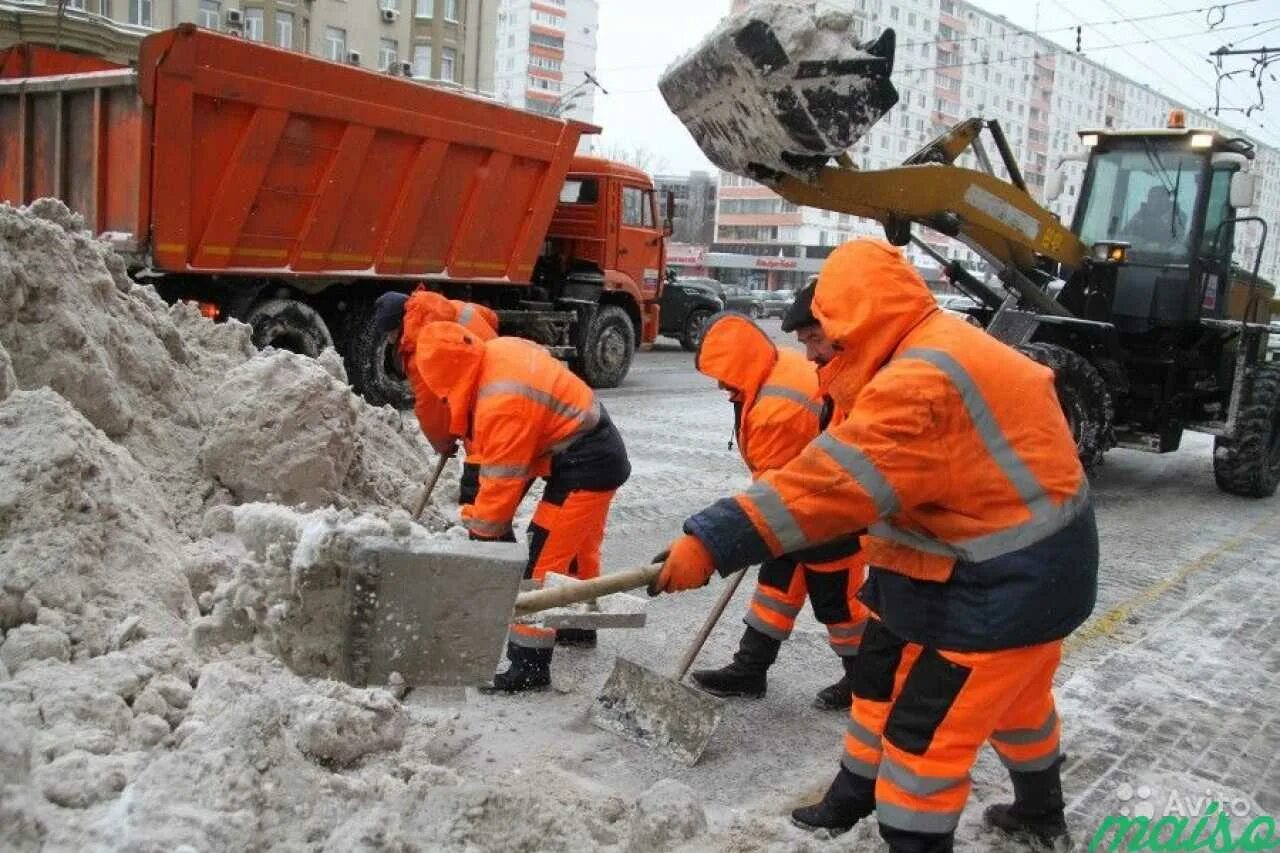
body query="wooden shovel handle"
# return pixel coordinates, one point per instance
(559, 596)
(431, 485)
(691, 654)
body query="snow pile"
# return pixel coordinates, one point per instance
(781, 88)
(147, 612)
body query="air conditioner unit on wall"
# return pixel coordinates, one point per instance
(353, 57)
(235, 17)
(390, 15)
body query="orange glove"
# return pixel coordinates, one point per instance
(688, 565)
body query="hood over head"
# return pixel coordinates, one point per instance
(868, 298)
(426, 306)
(448, 359)
(737, 352)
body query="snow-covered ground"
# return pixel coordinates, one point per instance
(1169, 689)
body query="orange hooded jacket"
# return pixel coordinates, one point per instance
(778, 403)
(954, 451)
(515, 406)
(423, 307)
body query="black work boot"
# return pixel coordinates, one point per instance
(746, 675)
(849, 799)
(838, 696)
(530, 669)
(1036, 813)
(904, 841)
(580, 637)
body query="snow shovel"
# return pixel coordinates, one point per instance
(653, 710)
(431, 485)
(781, 88)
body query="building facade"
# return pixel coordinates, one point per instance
(694, 217)
(446, 41)
(545, 51)
(956, 61)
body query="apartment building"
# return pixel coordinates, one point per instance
(954, 60)
(545, 51)
(446, 41)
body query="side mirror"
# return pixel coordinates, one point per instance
(669, 218)
(1053, 186)
(1244, 186)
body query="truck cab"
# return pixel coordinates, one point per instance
(606, 246)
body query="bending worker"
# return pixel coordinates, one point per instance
(957, 459)
(524, 415)
(777, 412)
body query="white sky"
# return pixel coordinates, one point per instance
(639, 38)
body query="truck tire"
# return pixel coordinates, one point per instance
(1248, 464)
(289, 325)
(695, 325)
(372, 361)
(1083, 395)
(756, 312)
(607, 348)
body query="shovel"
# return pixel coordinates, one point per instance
(431, 485)
(650, 709)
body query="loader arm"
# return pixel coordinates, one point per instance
(958, 202)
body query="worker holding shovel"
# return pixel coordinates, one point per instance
(957, 459)
(777, 411)
(524, 415)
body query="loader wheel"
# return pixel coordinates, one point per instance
(373, 363)
(1083, 395)
(289, 325)
(1248, 464)
(695, 326)
(607, 348)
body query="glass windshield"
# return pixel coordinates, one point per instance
(1145, 196)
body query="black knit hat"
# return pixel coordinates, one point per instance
(388, 311)
(800, 314)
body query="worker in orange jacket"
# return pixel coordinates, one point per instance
(524, 415)
(777, 411)
(957, 459)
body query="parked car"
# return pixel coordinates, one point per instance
(687, 305)
(740, 299)
(778, 302)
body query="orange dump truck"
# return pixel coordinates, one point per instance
(289, 192)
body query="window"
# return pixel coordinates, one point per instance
(448, 60)
(554, 42)
(585, 191)
(451, 12)
(422, 61)
(393, 5)
(632, 206)
(284, 30)
(253, 29)
(210, 14)
(335, 44)
(547, 19)
(1145, 201)
(140, 12)
(388, 53)
(424, 8)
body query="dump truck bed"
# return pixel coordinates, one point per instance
(221, 155)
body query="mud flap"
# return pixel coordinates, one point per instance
(781, 89)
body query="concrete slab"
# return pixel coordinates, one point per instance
(436, 613)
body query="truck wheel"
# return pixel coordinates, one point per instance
(289, 325)
(1249, 463)
(756, 312)
(607, 347)
(372, 361)
(695, 325)
(1083, 395)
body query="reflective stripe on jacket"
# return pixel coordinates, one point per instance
(954, 453)
(517, 406)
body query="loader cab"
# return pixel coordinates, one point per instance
(1167, 193)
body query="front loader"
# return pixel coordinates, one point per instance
(1137, 307)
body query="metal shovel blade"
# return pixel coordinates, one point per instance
(656, 711)
(781, 88)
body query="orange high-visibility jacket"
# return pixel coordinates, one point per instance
(423, 307)
(779, 406)
(513, 402)
(954, 453)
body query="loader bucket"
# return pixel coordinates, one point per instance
(781, 88)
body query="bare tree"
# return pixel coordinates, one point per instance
(639, 156)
